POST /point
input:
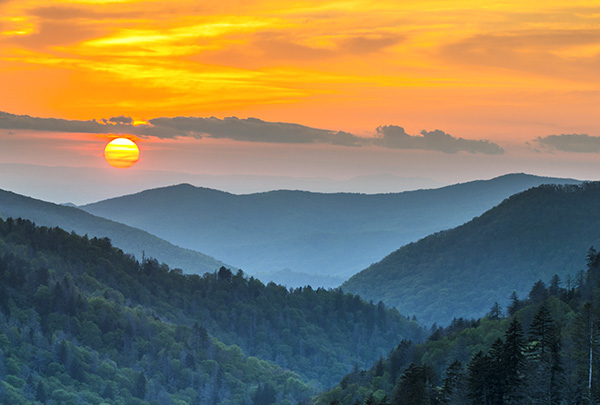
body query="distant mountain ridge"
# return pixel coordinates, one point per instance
(461, 272)
(82, 185)
(332, 234)
(131, 240)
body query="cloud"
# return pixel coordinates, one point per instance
(62, 13)
(370, 44)
(281, 48)
(395, 137)
(52, 33)
(577, 143)
(252, 130)
(249, 129)
(121, 120)
(11, 121)
(542, 52)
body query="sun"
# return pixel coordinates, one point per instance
(121, 153)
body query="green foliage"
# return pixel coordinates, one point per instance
(553, 359)
(97, 326)
(463, 271)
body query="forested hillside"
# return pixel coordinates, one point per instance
(326, 234)
(131, 240)
(81, 322)
(545, 351)
(461, 272)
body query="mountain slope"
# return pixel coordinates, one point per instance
(461, 272)
(143, 318)
(548, 342)
(131, 240)
(69, 335)
(332, 234)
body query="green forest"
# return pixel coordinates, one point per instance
(82, 322)
(543, 349)
(462, 271)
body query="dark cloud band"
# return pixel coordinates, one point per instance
(577, 143)
(253, 130)
(395, 137)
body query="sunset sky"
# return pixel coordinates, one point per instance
(447, 90)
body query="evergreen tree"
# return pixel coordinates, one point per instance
(538, 292)
(554, 288)
(540, 333)
(415, 387)
(140, 385)
(513, 362)
(515, 304)
(370, 400)
(495, 312)
(40, 392)
(495, 373)
(453, 390)
(544, 368)
(478, 381)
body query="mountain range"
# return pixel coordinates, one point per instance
(461, 272)
(303, 232)
(82, 185)
(131, 240)
(81, 321)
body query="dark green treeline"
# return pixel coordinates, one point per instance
(545, 351)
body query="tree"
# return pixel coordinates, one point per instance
(265, 394)
(370, 400)
(478, 379)
(538, 292)
(495, 312)
(515, 304)
(543, 351)
(40, 392)
(554, 288)
(592, 259)
(453, 390)
(140, 386)
(513, 361)
(495, 373)
(415, 387)
(540, 332)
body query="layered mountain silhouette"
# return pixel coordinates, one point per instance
(131, 240)
(304, 232)
(461, 272)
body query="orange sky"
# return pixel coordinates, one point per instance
(505, 72)
(511, 67)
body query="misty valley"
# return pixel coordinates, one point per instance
(486, 292)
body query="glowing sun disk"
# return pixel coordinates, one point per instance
(121, 153)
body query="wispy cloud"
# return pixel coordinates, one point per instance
(565, 53)
(577, 143)
(253, 130)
